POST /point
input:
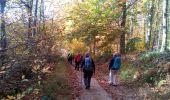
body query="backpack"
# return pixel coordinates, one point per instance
(117, 63)
(88, 64)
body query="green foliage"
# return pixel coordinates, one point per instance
(92, 19)
(153, 66)
(147, 58)
(150, 55)
(127, 73)
(131, 44)
(161, 82)
(155, 79)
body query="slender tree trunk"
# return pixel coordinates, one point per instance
(145, 31)
(35, 18)
(158, 26)
(168, 27)
(29, 6)
(154, 42)
(30, 19)
(131, 25)
(159, 34)
(42, 19)
(3, 40)
(150, 22)
(165, 22)
(123, 25)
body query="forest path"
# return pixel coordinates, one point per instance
(96, 92)
(99, 85)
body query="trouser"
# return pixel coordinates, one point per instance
(87, 77)
(70, 60)
(77, 63)
(113, 77)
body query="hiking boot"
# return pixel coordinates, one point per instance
(87, 87)
(110, 84)
(114, 85)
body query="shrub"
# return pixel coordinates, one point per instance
(127, 74)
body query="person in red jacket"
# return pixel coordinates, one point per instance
(77, 61)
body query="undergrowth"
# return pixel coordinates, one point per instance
(57, 85)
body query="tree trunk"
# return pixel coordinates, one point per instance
(131, 25)
(154, 42)
(30, 19)
(3, 41)
(165, 22)
(158, 27)
(35, 18)
(42, 19)
(158, 39)
(123, 25)
(150, 22)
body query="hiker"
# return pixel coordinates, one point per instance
(77, 61)
(70, 57)
(88, 67)
(114, 66)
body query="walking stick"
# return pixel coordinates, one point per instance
(81, 76)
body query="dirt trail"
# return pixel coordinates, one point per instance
(120, 92)
(96, 92)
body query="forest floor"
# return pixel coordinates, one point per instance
(96, 92)
(101, 90)
(121, 91)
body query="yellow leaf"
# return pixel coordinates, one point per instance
(36, 67)
(34, 71)
(11, 97)
(46, 70)
(19, 96)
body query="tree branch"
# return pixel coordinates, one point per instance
(128, 6)
(25, 4)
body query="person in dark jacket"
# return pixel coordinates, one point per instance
(88, 67)
(114, 66)
(70, 57)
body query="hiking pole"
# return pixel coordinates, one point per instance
(81, 76)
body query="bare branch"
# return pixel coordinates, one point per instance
(133, 3)
(25, 3)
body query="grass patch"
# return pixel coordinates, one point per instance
(57, 85)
